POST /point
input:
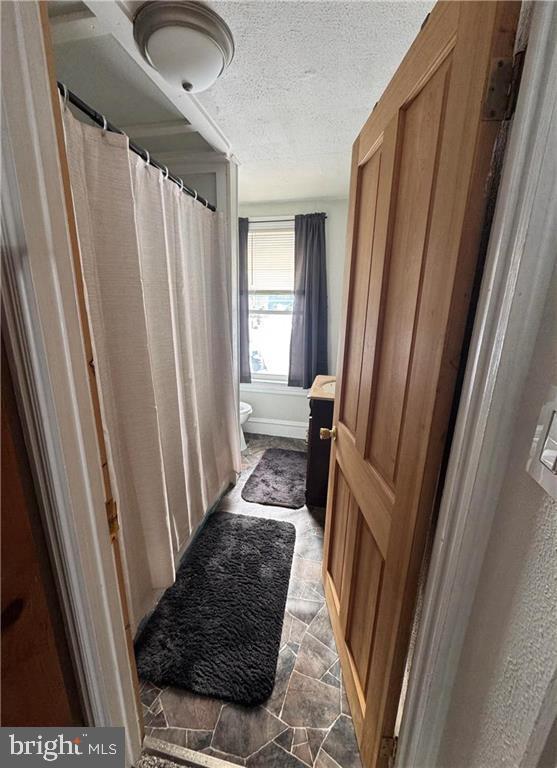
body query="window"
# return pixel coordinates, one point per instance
(271, 297)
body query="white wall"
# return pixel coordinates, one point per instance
(281, 403)
(510, 654)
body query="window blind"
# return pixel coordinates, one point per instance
(271, 259)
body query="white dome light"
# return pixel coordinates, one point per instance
(186, 42)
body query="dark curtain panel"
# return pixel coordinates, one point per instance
(308, 344)
(245, 370)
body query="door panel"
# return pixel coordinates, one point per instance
(338, 538)
(364, 594)
(416, 210)
(419, 140)
(367, 189)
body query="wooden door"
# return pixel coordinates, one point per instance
(38, 682)
(417, 204)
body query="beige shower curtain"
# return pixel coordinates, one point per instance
(203, 342)
(154, 266)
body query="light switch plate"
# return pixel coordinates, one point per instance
(542, 462)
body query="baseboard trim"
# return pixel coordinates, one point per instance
(277, 427)
(271, 388)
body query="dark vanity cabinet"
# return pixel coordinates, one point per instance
(321, 405)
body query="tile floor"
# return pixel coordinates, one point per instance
(306, 721)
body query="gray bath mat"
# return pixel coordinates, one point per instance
(279, 480)
(216, 631)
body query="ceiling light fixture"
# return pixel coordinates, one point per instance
(185, 41)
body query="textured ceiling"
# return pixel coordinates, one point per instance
(305, 77)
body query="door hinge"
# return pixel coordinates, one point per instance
(112, 518)
(388, 749)
(518, 66)
(502, 89)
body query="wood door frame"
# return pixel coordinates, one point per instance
(41, 324)
(519, 263)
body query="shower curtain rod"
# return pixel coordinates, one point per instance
(272, 219)
(101, 120)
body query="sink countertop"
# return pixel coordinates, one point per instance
(323, 388)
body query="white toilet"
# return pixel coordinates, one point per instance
(245, 412)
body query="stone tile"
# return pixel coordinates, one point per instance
(149, 693)
(321, 628)
(335, 669)
(316, 589)
(198, 740)
(285, 665)
(309, 546)
(324, 761)
(272, 756)
(330, 679)
(303, 610)
(314, 658)
(303, 752)
(173, 735)
(305, 570)
(285, 738)
(309, 701)
(186, 710)
(340, 744)
(297, 630)
(156, 720)
(294, 647)
(286, 625)
(300, 736)
(344, 705)
(242, 731)
(298, 589)
(223, 756)
(315, 739)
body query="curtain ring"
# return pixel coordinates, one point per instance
(105, 125)
(64, 95)
(148, 160)
(195, 196)
(181, 185)
(165, 172)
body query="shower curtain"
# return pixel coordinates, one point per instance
(155, 274)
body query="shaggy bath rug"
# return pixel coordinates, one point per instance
(216, 631)
(279, 480)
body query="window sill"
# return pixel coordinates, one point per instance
(273, 388)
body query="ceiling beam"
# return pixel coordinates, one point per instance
(151, 130)
(191, 158)
(113, 17)
(77, 25)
